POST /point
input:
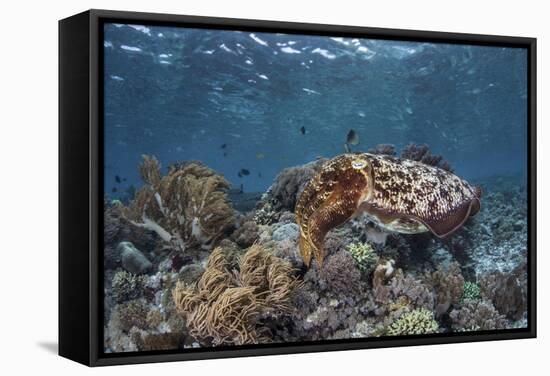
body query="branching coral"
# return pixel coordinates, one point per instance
(418, 321)
(186, 207)
(224, 306)
(391, 287)
(508, 292)
(476, 315)
(364, 255)
(421, 153)
(127, 286)
(471, 292)
(341, 275)
(385, 149)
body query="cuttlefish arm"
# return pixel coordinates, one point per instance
(328, 200)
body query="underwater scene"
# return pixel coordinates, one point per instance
(266, 188)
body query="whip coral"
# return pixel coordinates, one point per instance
(187, 207)
(224, 306)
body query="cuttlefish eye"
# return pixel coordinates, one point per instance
(358, 164)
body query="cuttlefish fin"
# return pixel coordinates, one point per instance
(452, 221)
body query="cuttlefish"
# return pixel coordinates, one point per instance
(398, 195)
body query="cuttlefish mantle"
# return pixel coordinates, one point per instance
(399, 195)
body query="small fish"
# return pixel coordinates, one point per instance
(117, 179)
(225, 154)
(223, 146)
(114, 190)
(347, 148)
(303, 130)
(243, 172)
(260, 155)
(259, 174)
(352, 138)
(123, 179)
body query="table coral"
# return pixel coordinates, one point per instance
(224, 306)
(187, 207)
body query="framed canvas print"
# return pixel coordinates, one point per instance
(237, 187)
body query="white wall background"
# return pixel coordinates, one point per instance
(28, 185)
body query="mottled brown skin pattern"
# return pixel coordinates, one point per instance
(399, 195)
(328, 200)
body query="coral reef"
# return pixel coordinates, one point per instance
(418, 321)
(364, 255)
(448, 286)
(508, 292)
(224, 307)
(187, 207)
(242, 280)
(476, 315)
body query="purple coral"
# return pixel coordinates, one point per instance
(291, 181)
(421, 153)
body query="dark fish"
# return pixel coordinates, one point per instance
(303, 130)
(244, 172)
(352, 138)
(114, 190)
(240, 175)
(123, 179)
(223, 146)
(225, 154)
(347, 148)
(117, 179)
(259, 174)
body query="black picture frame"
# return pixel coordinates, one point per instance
(81, 192)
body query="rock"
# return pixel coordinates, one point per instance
(132, 259)
(518, 225)
(287, 231)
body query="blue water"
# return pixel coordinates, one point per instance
(182, 94)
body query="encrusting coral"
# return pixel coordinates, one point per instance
(224, 306)
(187, 207)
